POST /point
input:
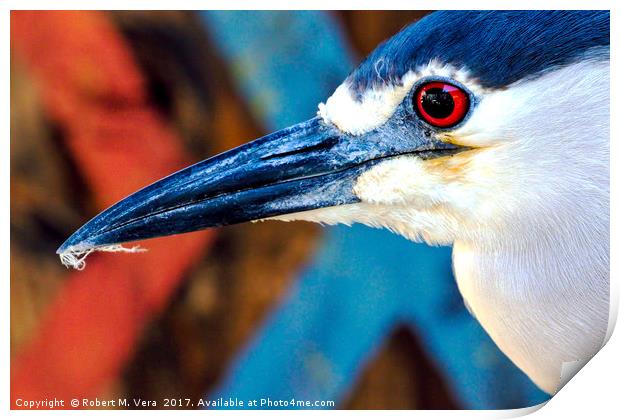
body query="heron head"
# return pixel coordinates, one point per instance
(463, 123)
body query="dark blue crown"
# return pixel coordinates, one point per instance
(498, 47)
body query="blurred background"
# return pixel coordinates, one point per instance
(103, 103)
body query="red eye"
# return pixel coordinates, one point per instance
(441, 104)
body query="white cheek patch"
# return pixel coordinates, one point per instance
(398, 181)
(399, 194)
(378, 103)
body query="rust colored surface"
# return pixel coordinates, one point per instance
(91, 88)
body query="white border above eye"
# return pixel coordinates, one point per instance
(357, 115)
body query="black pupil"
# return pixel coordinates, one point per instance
(437, 103)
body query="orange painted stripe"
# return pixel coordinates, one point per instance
(92, 88)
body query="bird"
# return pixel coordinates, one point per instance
(484, 130)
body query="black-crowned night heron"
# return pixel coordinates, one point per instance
(486, 130)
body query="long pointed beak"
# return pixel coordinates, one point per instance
(303, 167)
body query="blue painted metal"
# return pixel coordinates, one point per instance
(280, 68)
(363, 282)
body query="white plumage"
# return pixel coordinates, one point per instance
(527, 209)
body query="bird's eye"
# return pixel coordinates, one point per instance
(441, 104)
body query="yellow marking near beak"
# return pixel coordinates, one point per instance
(453, 167)
(451, 139)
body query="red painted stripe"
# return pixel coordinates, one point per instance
(91, 87)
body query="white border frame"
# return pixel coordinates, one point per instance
(593, 391)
